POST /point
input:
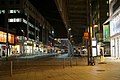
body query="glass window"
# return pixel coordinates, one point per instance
(24, 21)
(10, 20)
(25, 13)
(15, 20)
(17, 11)
(11, 11)
(2, 11)
(14, 11)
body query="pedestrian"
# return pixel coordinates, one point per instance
(101, 56)
(3, 53)
(101, 52)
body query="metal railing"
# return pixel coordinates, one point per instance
(9, 68)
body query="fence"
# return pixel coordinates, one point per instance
(9, 68)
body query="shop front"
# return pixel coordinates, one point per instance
(3, 45)
(23, 46)
(115, 36)
(106, 39)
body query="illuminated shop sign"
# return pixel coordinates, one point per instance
(86, 35)
(106, 33)
(3, 37)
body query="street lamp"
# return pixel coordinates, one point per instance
(70, 45)
(69, 29)
(69, 33)
(23, 40)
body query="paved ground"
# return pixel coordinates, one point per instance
(109, 71)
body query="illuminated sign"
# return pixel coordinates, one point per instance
(106, 33)
(3, 37)
(86, 35)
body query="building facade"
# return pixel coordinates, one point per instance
(114, 19)
(24, 28)
(100, 13)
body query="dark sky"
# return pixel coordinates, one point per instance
(49, 10)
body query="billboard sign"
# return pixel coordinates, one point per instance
(106, 33)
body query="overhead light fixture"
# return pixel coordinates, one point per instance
(95, 26)
(71, 35)
(22, 31)
(69, 29)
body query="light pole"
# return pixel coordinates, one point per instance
(23, 40)
(7, 30)
(69, 45)
(69, 33)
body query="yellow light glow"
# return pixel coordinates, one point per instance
(95, 26)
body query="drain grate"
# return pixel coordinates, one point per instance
(100, 70)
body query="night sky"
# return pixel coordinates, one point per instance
(48, 9)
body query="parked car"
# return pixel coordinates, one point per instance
(76, 53)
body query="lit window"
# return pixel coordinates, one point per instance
(24, 21)
(52, 32)
(32, 26)
(11, 11)
(15, 20)
(36, 28)
(17, 11)
(107, 2)
(25, 13)
(2, 11)
(14, 11)
(10, 20)
(107, 14)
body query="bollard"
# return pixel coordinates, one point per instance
(11, 68)
(63, 63)
(71, 61)
(76, 61)
(27, 62)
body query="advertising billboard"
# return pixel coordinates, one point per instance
(106, 33)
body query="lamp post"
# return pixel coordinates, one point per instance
(7, 30)
(69, 45)
(23, 40)
(69, 33)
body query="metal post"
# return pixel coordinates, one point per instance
(7, 28)
(7, 42)
(88, 25)
(63, 63)
(23, 39)
(69, 46)
(76, 61)
(71, 61)
(90, 34)
(11, 68)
